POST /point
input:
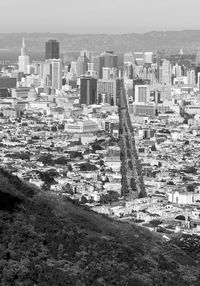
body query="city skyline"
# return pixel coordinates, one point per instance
(111, 17)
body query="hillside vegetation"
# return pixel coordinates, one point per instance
(47, 240)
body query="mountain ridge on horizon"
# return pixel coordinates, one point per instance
(170, 41)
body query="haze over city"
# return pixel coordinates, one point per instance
(94, 16)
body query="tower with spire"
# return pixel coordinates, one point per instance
(23, 61)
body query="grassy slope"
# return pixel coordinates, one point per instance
(48, 241)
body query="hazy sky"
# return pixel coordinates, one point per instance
(98, 16)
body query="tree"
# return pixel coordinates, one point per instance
(190, 188)
(110, 197)
(83, 200)
(154, 223)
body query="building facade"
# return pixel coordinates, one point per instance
(52, 50)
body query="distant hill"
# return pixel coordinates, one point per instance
(170, 41)
(51, 241)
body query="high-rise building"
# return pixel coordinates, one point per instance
(109, 73)
(7, 82)
(198, 58)
(90, 70)
(148, 57)
(52, 50)
(129, 58)
(98, 65)
(198, 81)
(108, 91)
(88, 54)
(197, 70)
(88, 90)
(191, 80)
(177, 70)
(82, 65)
(142, 93)
(74, 67)
(23, 60)
(166, 73)
(109, 59)
(139, 58)
(128, 70)
(139, 81)
(44, 71)
(56, 74)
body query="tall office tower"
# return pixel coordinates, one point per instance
(52, 50)
(177, 70)
(56, 74)
(109, 73)
(110, 60)
(82, 65)
(191, 80)
(128, 70)
(88, 90)
(87, 53)
(129, 58)
(197, 70)
(90, 67)
(7, 82)
(197, 67)
(74, 67)
(106, 73)
(160, 56)
(98, 65)
(90, 70)
(108, 91)
(24, 60)
(139, 81)
(198, 81)
(166, 73)
(45, 74)
(198, 58)
(139, 58)
(142, 93)
(151, 74)
(148, 57)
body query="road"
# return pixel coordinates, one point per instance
(132, 180)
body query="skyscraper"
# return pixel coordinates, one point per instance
(198, 58)
(82, 65)
(23, 60)
(108, 91)
(148, 57)
(109, 59)
(56, 73)
(166, 73)
(98, 65)
(129, 58)
(88, 90)
(142, 93)
(52, 50)
(191, 80)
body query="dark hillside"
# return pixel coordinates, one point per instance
(51, 241)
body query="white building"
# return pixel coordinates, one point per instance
(56, 73)
(81, 127)
(166, 73)
(184, 198)
(23, 60)
(142, 93)
(148, 57)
